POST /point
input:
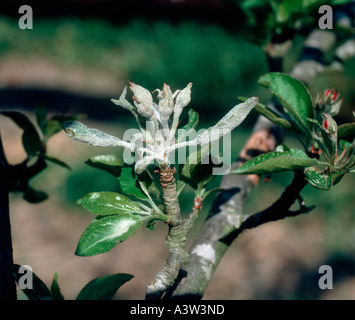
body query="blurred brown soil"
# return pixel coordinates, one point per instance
(34, 72)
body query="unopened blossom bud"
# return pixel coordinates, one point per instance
(143, 100)
(166, 102)
(331, 95)
(183, 98)
(332, 102)
(329, 125)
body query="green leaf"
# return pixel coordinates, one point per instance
(55, 290)
(294, 97)
(103, 288)
(95, 137)
(150, 180)
(344, 144)
(54, 124)
(346, 129)
(318, 180)
(191, 124)
(105, 232)
(56, 161)
(210, 192)
(34, 196)
(194, 172)
(107, 162)
(323, 181)
(108, 203)
(39, 290)
(30, 138)
(41, 117)
(271, 115)
(129, 183)
(294, 159)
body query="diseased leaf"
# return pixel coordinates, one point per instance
(294, 97)
(318, 180)
(223, 127)
(323, 181)
(105, 232)
(30, 138)
(39, 290)
(103, 288)
(294, 159)
(95, 137)
(108, 203)
(143, 163)
(230, 121)
(107, 162)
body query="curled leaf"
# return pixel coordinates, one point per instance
(223, 127)
(95, 137)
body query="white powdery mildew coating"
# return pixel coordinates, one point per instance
(95, 195)
(123, 226)
(208, 254)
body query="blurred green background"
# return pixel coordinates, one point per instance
(75, 63)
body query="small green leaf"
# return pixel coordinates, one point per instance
(107, 162)
(34, 196)
(150, 225)
(105, 232)
(30, 138)
(197, 172)
(344, 144)
(41, 117)
(129, 183)
(55, 290)
(210, 192)
(271, 115)
(150, 180)
(54, 124)
(39, 290)
(346, 129)
(56, 161)
(294, 97)
(108, 203)
(103, 288)
(191, 124)
(294, 159)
